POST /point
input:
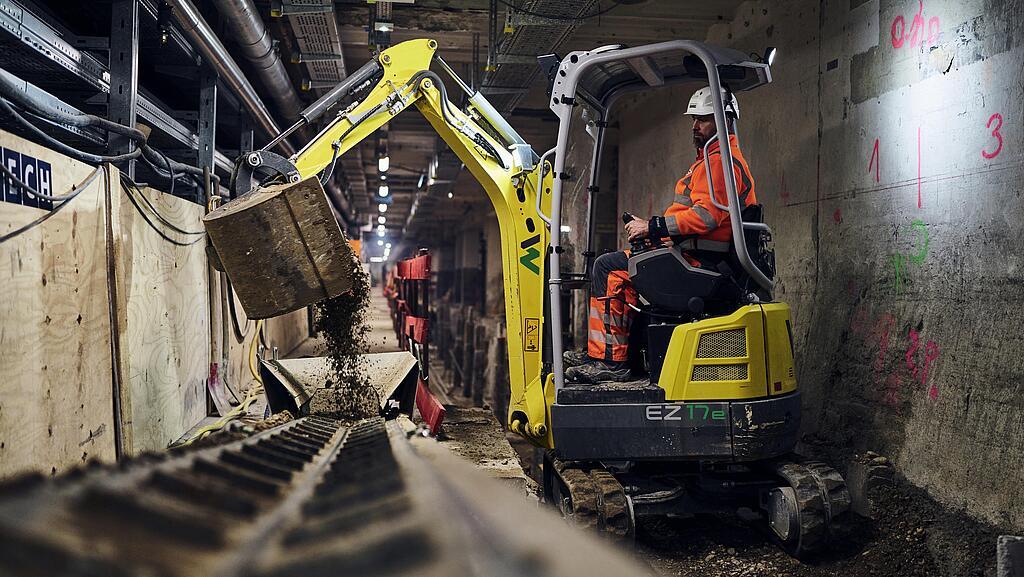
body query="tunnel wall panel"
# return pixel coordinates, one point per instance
(56, 398)
(164, 316)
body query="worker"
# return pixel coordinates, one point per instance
(691, 216)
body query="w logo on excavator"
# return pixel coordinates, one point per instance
(529, 258)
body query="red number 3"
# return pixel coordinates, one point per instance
(995, 132)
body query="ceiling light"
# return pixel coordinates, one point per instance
(383, 163)
(382, 207)
(380, 243)
(388, 246)
(769, 55)
(451, 194)
(380, 233)
(382, 191)
(381, 220)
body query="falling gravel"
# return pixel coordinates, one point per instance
(342, 323)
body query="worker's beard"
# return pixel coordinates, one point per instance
(699, 140)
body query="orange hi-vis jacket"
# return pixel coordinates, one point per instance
(692, 212)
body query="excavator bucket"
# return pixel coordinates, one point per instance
(282, 248)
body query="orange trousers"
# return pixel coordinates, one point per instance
(610, 315)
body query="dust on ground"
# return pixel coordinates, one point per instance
(342, 321)
(914, 536)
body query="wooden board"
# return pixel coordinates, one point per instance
(164, 317)
(56, 393)
(236, 375)
(287, 331)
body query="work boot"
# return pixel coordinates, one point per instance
(576, 358)
(596, 371)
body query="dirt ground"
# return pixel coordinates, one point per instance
(914, 536)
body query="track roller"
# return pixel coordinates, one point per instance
(589, 497)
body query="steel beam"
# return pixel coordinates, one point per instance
(122, 104)
(47, 43)
(207, 120)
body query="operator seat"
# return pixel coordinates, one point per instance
(670, 284)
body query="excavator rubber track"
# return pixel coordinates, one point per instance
(822, 502)
(595, 501)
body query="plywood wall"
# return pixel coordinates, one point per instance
(106, 338)
(56, 392)
(287, 331)
(163, 302)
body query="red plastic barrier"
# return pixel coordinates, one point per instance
(408, 292)
(429, 407)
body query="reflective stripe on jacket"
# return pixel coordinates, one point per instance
(692, 212)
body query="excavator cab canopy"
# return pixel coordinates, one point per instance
(600, 83)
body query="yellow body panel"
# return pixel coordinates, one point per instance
(744, 355)
(779, 333)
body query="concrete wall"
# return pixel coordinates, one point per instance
(888, 155)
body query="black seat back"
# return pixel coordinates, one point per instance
(667, 281)
(758, 243)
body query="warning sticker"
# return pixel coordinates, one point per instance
(531, 343)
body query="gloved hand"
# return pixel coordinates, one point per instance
(636, 228)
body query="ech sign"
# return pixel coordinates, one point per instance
(33, 172)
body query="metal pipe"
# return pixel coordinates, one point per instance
(243, 20)
(212, 49)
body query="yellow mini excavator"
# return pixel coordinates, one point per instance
(712, 428)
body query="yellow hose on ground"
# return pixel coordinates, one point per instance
(254, 392)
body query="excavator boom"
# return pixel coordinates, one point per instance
(518, 187)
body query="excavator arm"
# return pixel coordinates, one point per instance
(511, 179)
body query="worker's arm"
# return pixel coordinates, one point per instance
(692, 212)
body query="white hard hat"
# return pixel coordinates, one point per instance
(700, 103)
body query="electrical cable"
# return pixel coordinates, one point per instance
(127, 182)
(85, 183)
(68, 197)
(68, 150)
(239, 334)
(594, 14)
(251, 395)
(329, 171)
(134, 202)
(144, 151)
(12, 96)
(22, 185)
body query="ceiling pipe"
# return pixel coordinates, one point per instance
(243, 20)
(340, 203)
(203, 37)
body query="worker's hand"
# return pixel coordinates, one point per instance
(637, 229)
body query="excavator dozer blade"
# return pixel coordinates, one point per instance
(282, 248)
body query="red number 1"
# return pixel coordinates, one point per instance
(995, 132)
